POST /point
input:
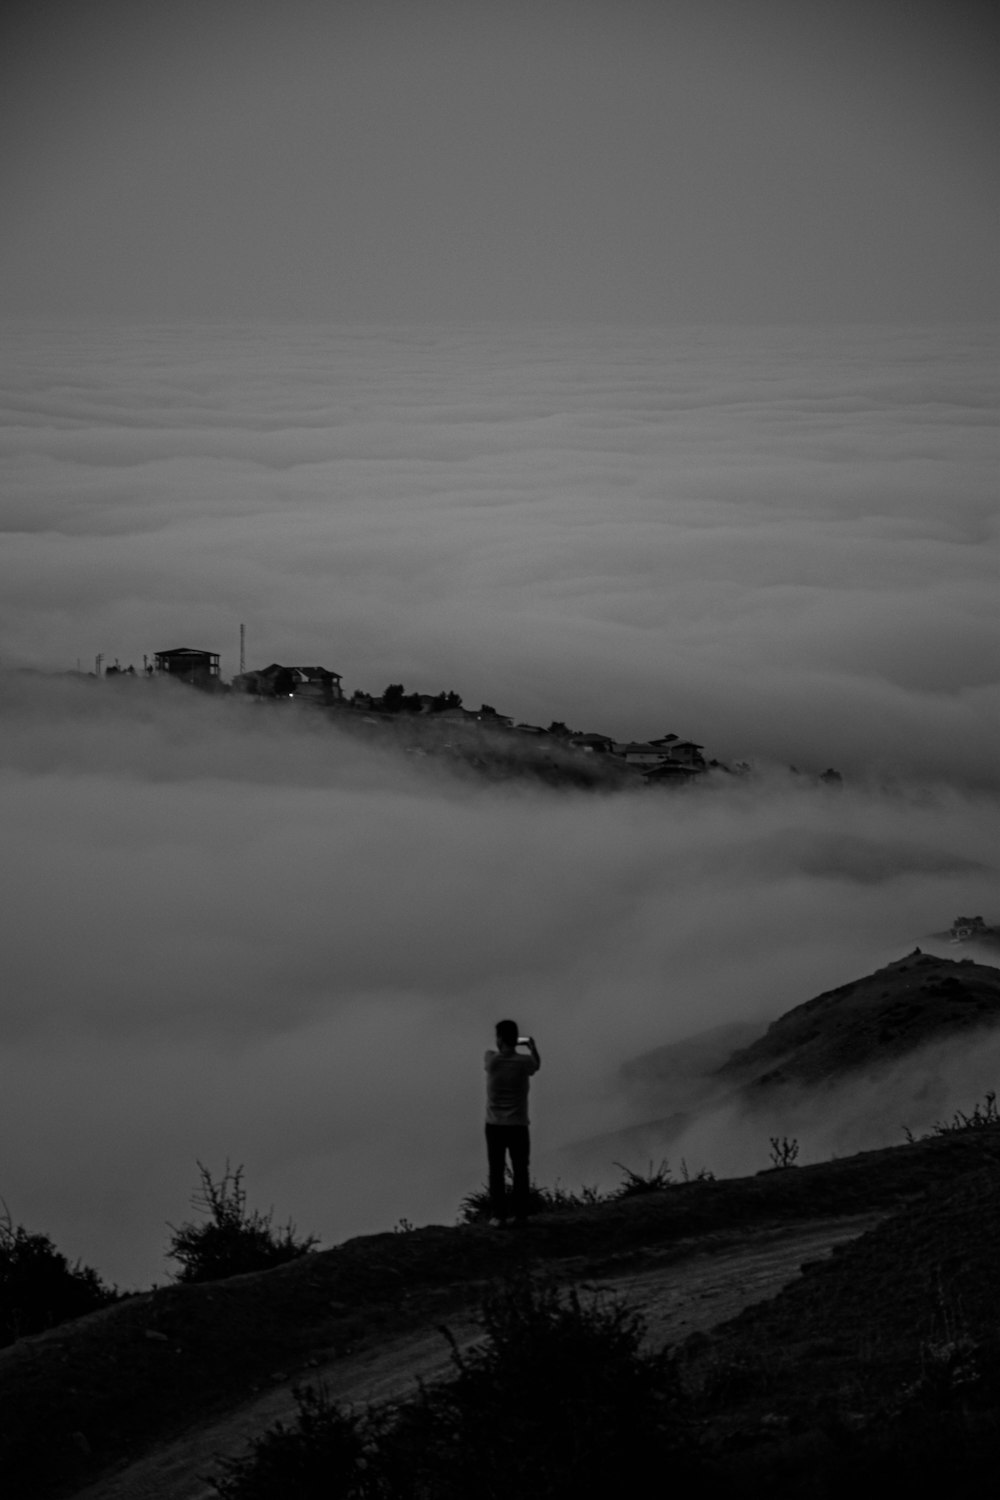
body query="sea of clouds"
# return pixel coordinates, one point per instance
(781, 542)
(236, 933)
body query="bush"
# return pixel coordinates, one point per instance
(784, 1151)
(476, 1208)
(654, 1180)
(38, 1286)
(321, 1457)
(559, 1401)
(233, 1241)
(983, 1116)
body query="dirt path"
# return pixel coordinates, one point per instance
(677, 1295)
(713, 1285)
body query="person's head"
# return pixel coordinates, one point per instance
(507, 1033)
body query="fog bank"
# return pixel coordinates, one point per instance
(231, 933)
(780, 542)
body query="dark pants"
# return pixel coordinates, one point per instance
(501, 1140)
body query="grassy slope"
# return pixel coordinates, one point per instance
(82, 1396)
(879, 1366)
(884, 1015)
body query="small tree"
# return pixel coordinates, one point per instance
(784, 1150)
(38, 1286)
(233, 1240)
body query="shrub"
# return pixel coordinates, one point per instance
(703, 1174)
(38, 1286)
(233, 1240)
(983, 1115)
(654, 1180)
(321, 1457)
(476, 1208)
(558, 1401)
(784, 1150)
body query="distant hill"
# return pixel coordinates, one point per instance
(768, 1077)
(916, 1000)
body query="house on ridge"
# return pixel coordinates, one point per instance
(670, 773)
(594, 744)
(310, 684)
(198, 668)
(685, 753)
(638, 752)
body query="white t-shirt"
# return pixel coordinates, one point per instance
(507, 1087)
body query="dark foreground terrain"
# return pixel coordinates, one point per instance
(879, 1361)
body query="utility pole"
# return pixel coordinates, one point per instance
(243, 649)
(97, 663)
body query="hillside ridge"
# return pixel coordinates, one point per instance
(88, 1395)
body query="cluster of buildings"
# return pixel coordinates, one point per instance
(973, 930)
(668, 759)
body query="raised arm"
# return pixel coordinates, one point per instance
(536, 1055)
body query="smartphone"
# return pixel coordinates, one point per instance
(522, 1041)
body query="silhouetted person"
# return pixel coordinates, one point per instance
(508, 1073)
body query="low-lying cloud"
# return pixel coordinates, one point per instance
(779, 542)
(233, 931)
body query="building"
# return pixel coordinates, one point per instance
(311, 684)
(685, 753)
(639, 752)
(198, 668)
(595, 744)
(670, 773)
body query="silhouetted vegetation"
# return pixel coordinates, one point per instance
(883, 1353)
(396, 700)
(322, 1456)
(476, 1207)
(784, 1151)
(984, 1114)
(653, 1180)
(38, 1287)
(558, 1401)
(232, 1240)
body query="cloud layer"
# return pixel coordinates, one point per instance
(231, 932)
(781, 543)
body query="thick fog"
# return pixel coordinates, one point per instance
(502, 374)
(235, 934)
(781, 543)
(231, 931)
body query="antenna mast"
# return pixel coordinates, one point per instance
(243, 649)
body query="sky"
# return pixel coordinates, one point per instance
(630, 365)
(619, 160)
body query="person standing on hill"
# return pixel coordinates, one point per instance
(508, 1073)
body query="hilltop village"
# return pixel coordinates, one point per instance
(441, 723)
